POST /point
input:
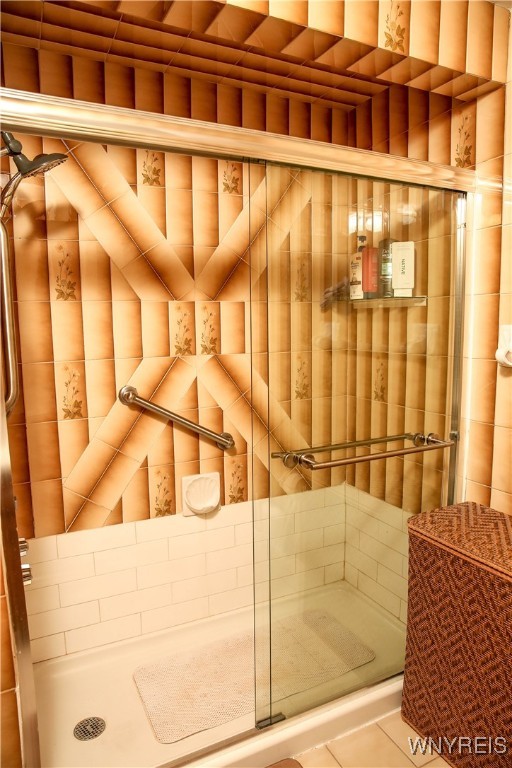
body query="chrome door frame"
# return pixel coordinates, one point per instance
(83, 121)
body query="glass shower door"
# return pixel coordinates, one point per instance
(362, 333)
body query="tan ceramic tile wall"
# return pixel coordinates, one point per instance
(343, 372)
(501, 480)
(125, 258)
(485, 470)
(113, 301)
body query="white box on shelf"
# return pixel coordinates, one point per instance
(402, 255)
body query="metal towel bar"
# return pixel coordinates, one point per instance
(305, 457)
(340, 446)
(129, 396)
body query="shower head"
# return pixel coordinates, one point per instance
(26, 168)
(40, 163)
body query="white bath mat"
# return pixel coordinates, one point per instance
(200, 689)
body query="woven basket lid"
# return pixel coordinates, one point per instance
(470, 529)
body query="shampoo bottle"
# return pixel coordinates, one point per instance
(356, 271)
(370, 272)
(385, 268)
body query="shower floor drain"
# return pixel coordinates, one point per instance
(90, 728)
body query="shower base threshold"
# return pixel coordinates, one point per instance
(307, 731)
(99, 684)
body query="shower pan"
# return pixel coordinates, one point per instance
(192, 314)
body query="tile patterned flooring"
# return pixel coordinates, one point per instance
(383, 744)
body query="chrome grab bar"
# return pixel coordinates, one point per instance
(129, 395)
(9, 335)
(305, 457)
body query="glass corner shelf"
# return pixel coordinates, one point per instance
(382, 303)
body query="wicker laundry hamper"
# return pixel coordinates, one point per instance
(458, 665)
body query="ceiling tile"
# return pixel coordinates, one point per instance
(262, 63)
(264, 44)
(459, 85)
(26, 27)
(240, 76)
(233, 23)
(91, 19)
(145, 9)
(484, 87)
(73, 37)
(343, 54)
(109, 6)
(433, 78)
(272, 35)
(405, 71)
(192, 15)
(64, 47)
(309, 45)
(375, 62)
(30, 9)
(201, 64)
(207, 49)
(335, 80)
(167, 42)
(144, 54)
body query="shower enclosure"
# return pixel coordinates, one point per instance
(225, 292)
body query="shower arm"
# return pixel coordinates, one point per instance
(305, 457)
(8, 194)
(129, 395)
(8, 327)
